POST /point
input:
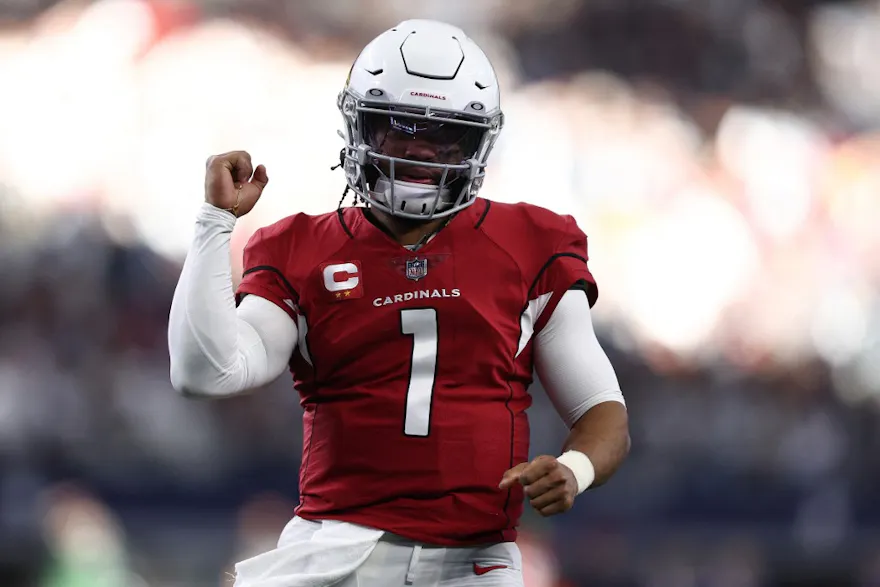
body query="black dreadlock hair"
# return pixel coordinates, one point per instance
(342, 199)
(347, 187)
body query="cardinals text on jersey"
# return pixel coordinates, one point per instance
(413, 369)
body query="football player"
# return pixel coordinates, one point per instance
(411, 325)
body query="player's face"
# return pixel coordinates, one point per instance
(418, 140)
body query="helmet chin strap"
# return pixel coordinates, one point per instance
(414, 196)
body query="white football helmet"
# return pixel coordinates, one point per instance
(420, 79)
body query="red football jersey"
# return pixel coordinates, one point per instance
(413, 367)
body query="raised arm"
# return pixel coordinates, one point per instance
(216, 349)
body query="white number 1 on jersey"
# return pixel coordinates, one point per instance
(421, 324)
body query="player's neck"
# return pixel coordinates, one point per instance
(405, 231)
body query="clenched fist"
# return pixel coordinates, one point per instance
(232, 183)
(550, 486)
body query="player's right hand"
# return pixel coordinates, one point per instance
(232, 183)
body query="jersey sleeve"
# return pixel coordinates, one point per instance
(263, 275)
(566, 268)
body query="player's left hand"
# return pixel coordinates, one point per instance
(550, 486)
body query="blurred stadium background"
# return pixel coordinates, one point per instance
(723, 156)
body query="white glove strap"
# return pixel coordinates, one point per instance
(581, 466)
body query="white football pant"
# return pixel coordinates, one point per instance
(340, 554)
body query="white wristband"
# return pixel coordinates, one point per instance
(581, 466)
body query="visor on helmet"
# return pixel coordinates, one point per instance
(393, 132)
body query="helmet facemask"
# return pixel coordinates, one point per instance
(415, 162)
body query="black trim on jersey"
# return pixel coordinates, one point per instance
(278, 274)
(483, 215)
(581, 285)
(588, 287)
(368, 214)
(547, 266)
(341, 217)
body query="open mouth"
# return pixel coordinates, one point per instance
(416, 175)
(424, 180)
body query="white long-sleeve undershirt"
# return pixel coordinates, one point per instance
(219, 350)
(571, 364)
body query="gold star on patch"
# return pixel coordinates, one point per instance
(338, 295)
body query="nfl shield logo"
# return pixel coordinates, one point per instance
(416, 269)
